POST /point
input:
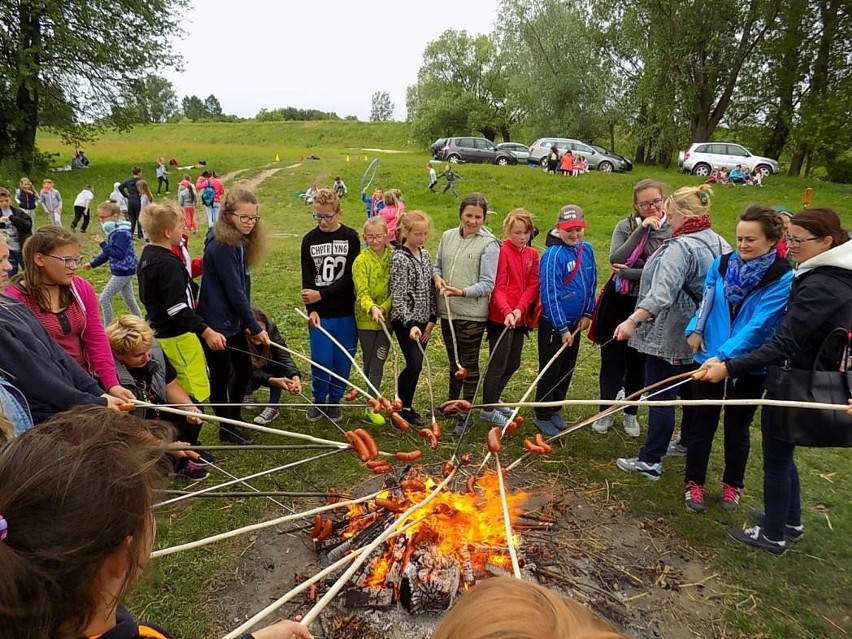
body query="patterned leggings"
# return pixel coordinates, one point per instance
(118, 284)
(469, 339)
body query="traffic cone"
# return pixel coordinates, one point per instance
(277, 159)
(347, 158)
(807, 197)
(365, 158)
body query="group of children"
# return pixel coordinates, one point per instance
(567, 164)
(736, 175)
(448, 174)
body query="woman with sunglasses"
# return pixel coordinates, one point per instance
(235, 244)
(634, 240)
(66, 304)
(820, 303)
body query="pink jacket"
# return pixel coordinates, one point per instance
(389, 213)
(201, 182)
(516, 283)
(94, 339)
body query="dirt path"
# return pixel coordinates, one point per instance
(254, 182)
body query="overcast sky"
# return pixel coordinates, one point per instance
(330, 55)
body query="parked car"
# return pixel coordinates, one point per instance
(521, 151)
(597, 161)
(467, 149)
(702, 157)
(437, 145)
(628, 164)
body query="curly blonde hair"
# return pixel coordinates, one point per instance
(689, 201)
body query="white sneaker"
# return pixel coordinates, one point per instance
(602, 424)
(631, 426)
(268, 414)
(620, 395)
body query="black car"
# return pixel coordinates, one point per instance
(628, 165)
(468, 149)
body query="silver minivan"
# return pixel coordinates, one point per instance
(597, 161)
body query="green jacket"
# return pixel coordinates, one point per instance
(371, 275)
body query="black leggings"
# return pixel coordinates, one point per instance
(160, 182)
(134, 206)
(469, 339)
(408, 376)
(80, 212)
(229, 372)
(505, 359)
(553, 385)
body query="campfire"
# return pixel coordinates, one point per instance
(445, 547)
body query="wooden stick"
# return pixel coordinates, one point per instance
(394, 361)
(265, 524)
(507, 520)
(320, 367)
(334, 341)
(452, 329)
(248, 447)
(332, 592)
(428, 382)
(253, 476)
(246, 493)
(237, 422)
(623, 403)
(245, 627)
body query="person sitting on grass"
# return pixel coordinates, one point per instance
(339, 187)
(273, 368)
(737, 175)
(144, 368)
(77, 532)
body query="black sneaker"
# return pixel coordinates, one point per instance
(204, 457)
(755, 538)
(409, 415)
(334, 413)
(463, 424)
(791, 533)
(313, 414)
(233, 435)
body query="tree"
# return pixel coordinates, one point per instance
(60, 63)
(193, 107)
(152, 100)
(382, 110)
(212, 107)
(461, 88)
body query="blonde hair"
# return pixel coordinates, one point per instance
(144, 189)
(376, 220)
(226, 232)
(109, 207)
(129, 333)
(518, 215)
(406, 222)
(158, 218)
(327, 197)
(25, 180)
(47, 181)
(689, 201)
(502, 607)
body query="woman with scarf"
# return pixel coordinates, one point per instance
(820, 307)
(669, 293)
(745, 294)
(634, 240)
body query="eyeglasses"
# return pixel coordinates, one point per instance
(647, 205)
(68, 262)
(325, 218)
(374, 238)
(798, 241)
(248, 219)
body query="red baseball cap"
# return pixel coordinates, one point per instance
(570, 216)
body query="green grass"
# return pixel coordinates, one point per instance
(790, 597)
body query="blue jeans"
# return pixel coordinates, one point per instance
(661, 419)
(325, 353)
(781, 495)
(274, 391)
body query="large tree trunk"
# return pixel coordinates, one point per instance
(507, 136)
(640, 153)
(26, 96)
(797, 160)
(612, 137)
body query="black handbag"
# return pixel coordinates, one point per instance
(806, 426)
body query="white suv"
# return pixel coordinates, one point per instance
(703, 157)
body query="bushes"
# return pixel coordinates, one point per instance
(840, 170)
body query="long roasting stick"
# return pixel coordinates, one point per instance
(334, 341)
(320, 367)
(251, 528)
(507, 520)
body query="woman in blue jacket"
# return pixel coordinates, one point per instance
(745, 294)
(234, 245)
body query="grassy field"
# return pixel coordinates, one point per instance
(807, 593)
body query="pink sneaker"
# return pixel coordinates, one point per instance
(694, 497)
(730, 499)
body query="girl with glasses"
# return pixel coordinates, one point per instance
(66, 304)
(235, 245)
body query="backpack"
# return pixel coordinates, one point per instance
(208, 194)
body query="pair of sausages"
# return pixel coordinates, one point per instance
(539, 446)
(363, 444)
